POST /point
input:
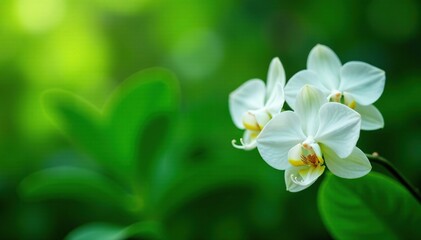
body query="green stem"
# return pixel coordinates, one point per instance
(386, 164)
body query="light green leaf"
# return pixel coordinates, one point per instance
(106, 231)
(372, 207)
(75, 183)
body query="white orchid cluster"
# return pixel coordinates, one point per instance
(331, 103)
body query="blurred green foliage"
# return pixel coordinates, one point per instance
(89, 47)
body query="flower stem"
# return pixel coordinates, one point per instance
(386, 164)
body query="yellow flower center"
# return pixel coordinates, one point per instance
(305, 154)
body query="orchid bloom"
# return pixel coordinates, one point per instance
(253, 104)
(318, 134)
(356, 84)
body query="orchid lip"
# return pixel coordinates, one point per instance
(307, 153)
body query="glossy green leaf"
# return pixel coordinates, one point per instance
(75, 183)
(106, 231)
(372, 207)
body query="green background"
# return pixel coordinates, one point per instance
(90, 46)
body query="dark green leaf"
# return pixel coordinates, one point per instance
(76, 183)
(202, 179)
(372, 207)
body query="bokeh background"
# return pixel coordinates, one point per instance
(90, 46)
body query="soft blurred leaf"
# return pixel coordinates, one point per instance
(106, 231)
(202, 179)
(372, 207)
(97, 231)
(80, 121)
(146, 97)
(76, 183)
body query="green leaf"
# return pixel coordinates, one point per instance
(81, 122)
(75, 183)
(106, 231)
(372, 207)
(201, 179)
(117, 136)
(103, 231)
(148, 99)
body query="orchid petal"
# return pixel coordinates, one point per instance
(281, 134)
(326, 63)
(249, 96)
(339, 128)
(371, 118)
(364, 82)
(354, 166)
(276, 74)
(307, 106)
(300, 178)
(298, 81)
(276, 101)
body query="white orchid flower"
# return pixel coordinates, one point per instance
(356, 84)
(318, 134)
(253, 104)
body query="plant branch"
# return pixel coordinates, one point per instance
(401, 178)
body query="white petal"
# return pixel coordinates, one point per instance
(281, 134)
(248, 142)
(276, 101)
(276, 74)
(364, 82)
(300, 178)
(354, 166)
(371, 118)
(324, 61)
(339, 128)
(307, 106)
(249, 96)
(300, 79)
